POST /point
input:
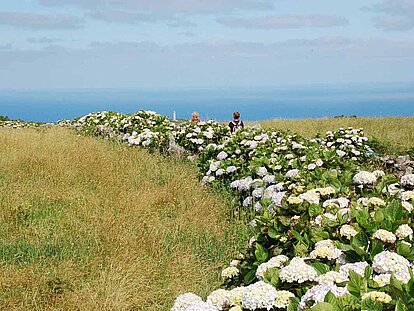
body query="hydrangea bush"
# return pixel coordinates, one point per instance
(329, 234)
(331, 231)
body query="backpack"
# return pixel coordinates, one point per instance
(236, 125)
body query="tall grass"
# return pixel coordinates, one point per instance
(396, 133)
(91, 225)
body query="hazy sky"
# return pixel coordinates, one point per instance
(203, 43)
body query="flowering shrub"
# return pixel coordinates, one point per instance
(331, 232)
(14, 124)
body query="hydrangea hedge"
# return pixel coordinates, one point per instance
(332, 231)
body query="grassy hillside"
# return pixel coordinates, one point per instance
(91, 225)
(397, 133)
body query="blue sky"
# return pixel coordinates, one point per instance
(203, 43)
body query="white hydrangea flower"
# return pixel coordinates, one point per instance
(235, 295)
(385, 236)
(220, 172)
(311, 196)
(340, 153)
(320, 219)
(404, 275)
(201, 306)
(292, 173)
(376, 201)
(365, 178)
(235, 184)
(298, 271)
(269, 179)
(235, 263)
(382, 279)
(325, 249)
(344, 211)
(211, 179)
(392, 189)
(363, 201)
(376, 296)
(257, 206)
(389, 262)
(357, 267)
(184, 301)
(214, 166)
(378, 173)
(337, 203)
(231, 169)
(278, 197)
(262, 171)
(259, 295)
(404, 231)
(319, 162)
(332, 277)
(247, 201)
(218, 298)
(408, 206)
(294, 200)
(282, 300)
(326, 190)
(407, 195)
(407, 180)
(289, 156)
(348, 231)
(318, 293)
(244, 184)
(229, 272)
(274, 262)
(311, 166)
(257, 193)
(222, 155)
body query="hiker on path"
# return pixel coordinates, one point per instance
(195, 117)
(236, 123)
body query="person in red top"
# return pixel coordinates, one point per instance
(195, 118)
(236, 123)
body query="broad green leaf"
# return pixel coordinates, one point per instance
(355, 283)
(323, 306)
(315, 210)
(359, 243)
(261, 253)
(368, 272)
(331, 298)
(379, 216)
(272, 232)
(321, 268)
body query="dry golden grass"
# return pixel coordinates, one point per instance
(91, 225)
(398, 132)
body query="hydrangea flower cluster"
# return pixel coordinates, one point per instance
(298, 272)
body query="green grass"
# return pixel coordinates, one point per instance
(92, 225)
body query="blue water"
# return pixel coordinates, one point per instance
(253, 103)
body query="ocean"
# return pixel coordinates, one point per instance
(253, 103)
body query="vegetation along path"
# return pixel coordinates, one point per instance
(91, 225)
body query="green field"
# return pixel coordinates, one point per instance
(91, 225)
